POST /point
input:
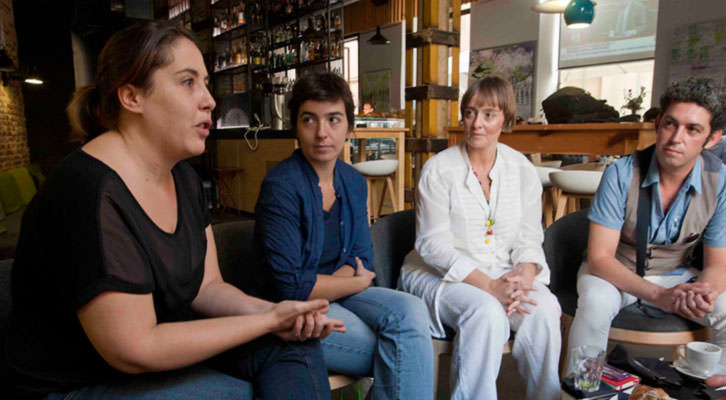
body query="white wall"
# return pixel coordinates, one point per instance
(673, 14)
(501, 22)
(380, 57)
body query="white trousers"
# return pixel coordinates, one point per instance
(600, 301)
(483, 328)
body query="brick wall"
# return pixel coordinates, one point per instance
(14, 150)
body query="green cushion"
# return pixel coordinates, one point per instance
(26, 186)
(9, 193)
(37, 174)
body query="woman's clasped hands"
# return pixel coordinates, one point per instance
(303, 320)
(512, 289)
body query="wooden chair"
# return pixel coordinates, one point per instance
(564, 244)
(393, 237)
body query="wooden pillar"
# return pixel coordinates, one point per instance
(430, 102)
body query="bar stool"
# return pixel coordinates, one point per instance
(574, 186)
(549, 193)
(374, 171)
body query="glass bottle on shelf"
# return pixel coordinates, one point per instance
(241, 13)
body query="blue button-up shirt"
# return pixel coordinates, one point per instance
(290, 228)
(608, 208)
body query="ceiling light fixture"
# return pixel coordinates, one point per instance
(579, 14)
(378, 38)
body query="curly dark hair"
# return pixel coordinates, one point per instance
(702, 91)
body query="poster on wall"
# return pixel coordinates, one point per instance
(699, 51)
(376, 90)
(514, 62)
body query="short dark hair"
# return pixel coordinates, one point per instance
(321, 86)
(497, 91)
(131, 56)
(651, 114)
(702, 91)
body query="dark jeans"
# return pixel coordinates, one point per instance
(268, 366)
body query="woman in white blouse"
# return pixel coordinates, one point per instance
(478, 261)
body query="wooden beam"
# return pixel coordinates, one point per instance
(426, 145)
(431, 36)
(431, 92)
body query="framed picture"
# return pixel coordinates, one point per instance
(514, 62)
(376, 90)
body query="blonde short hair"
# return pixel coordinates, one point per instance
(494, 91)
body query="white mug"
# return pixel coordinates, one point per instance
(702, 357)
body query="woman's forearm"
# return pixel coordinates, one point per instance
(332, 287)
(221, 299)
(199, 339)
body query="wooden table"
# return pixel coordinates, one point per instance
(609, 138)
(399, 135)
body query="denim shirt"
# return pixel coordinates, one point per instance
(289, 225)
(608, 207)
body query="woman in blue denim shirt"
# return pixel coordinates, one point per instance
(312, 225)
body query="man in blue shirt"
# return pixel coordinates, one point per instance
(687, 191)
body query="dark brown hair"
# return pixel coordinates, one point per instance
(130, 56)
(702, 91)
(494, 91)
(321, 86)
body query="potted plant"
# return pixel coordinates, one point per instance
(633, 103)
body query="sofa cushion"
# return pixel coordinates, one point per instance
(9, 193)
(37, 175)
(25, 183)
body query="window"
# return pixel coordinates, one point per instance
(611, 82)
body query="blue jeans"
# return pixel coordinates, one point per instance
(388, 334)
(277, 370)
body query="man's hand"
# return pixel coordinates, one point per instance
(678, 301)
(696, 300)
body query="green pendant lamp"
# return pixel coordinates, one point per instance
(579, 14)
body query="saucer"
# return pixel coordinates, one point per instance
(682, 367)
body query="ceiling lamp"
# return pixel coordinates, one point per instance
(33, 77)
(579, 13)
(551, 6)
(378, 38)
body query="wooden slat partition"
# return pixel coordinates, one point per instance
(363, 15)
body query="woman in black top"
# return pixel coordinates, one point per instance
(117, 257)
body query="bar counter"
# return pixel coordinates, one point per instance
(608, 138)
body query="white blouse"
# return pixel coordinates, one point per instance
(451, 230)
(451, 215)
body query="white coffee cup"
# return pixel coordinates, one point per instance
(702, 357)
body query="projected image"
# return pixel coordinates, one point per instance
(622, 30)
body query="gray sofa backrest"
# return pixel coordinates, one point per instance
(238, 258)
(393, 237)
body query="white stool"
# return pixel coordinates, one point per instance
(572, 187)
(378, 170)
